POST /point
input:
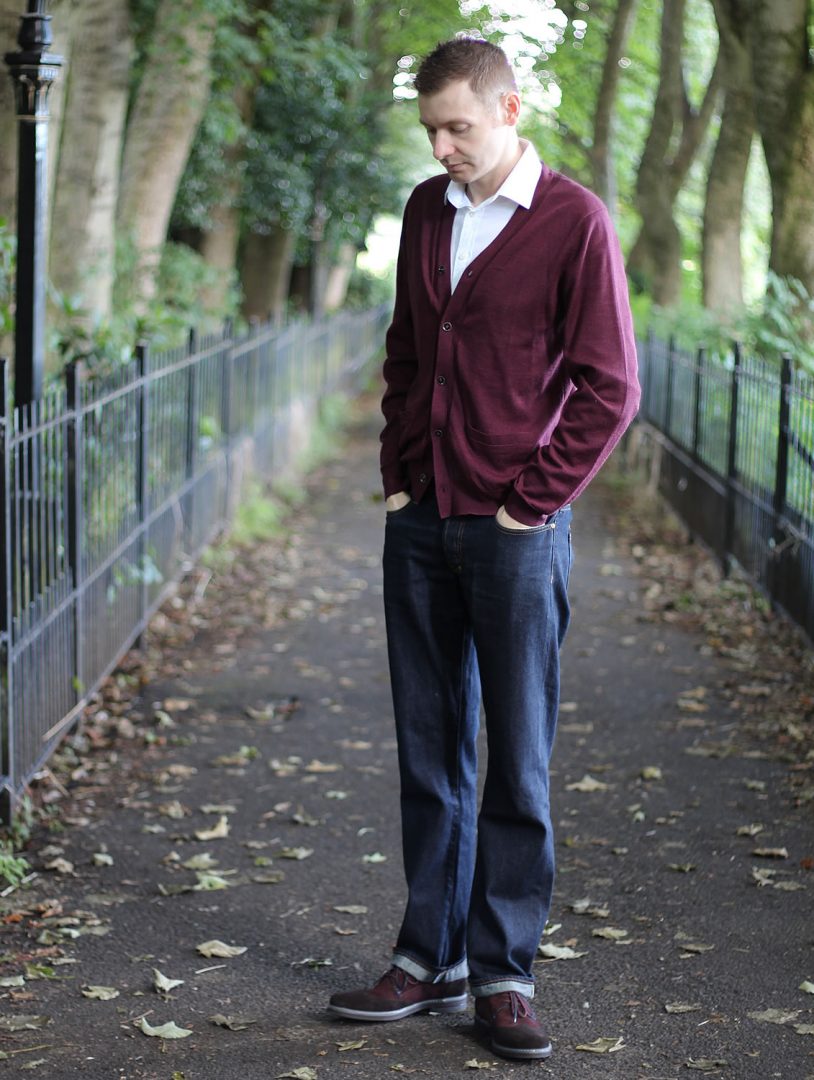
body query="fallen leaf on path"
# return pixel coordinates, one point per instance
(804, 1029)
(12, 980)
(750, 830)
(274, 877)
(312, 962)
(100, 993)
(375, 857)
(218, 808)
(241, 757)
(209, 882)
(706, 1065)
(23, 1022)
(806, 986)
(473, 1063)
(558, 952)
(351, 909)
(219, 948)
(651, 772)
(101, 858)
(354, 1044)
(217, 832)
(755, 785)
(162, 984)
(298, 853)
(175, 810)
(681, 1007)
(603, 1045)
(61, 866)
(695, 947)
(610, 933)
(174, 704)
(775, 1016)
(321, 767)
(204, 861)
(233, 1023)
(303, 1073)
(585, 906)
(762, 877)
(170, 1030)
(682, 868)
(588, 783)
(771, 853)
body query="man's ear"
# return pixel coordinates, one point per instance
(510, 106)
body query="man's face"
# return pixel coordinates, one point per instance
(470, 137)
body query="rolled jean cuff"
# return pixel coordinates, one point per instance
(424, 974)
(501, 986)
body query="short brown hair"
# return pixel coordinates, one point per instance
(483, 65)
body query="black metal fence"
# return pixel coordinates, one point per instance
(108, 485)
(737, 461)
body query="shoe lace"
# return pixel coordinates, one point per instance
(517, 1004)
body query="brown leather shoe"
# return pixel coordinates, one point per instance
(508, 1021)
(397, 995)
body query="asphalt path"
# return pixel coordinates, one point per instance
(268, 719)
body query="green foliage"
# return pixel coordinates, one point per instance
(13, 868)
(8, 251)
(781, 322)
(259, 517)
(180, 303)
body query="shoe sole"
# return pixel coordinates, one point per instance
(440, 1005)
(520, 1053)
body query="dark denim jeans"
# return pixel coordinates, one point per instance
(474, 609)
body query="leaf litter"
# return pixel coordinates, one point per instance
(170, 1030)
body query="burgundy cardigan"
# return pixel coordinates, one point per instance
(516, 387)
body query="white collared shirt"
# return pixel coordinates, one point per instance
(475, 227)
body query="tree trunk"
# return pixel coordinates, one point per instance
(218, 245)
(723, 210)
(84, 214)
(601, 155)
(9, 25)
(676, 133)
(338, 278)
(168, 107)
(265, 273)
(784, 98)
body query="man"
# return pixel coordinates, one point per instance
(510, 375)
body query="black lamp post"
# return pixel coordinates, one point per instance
(33, 70)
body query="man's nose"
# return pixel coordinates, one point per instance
(442, 147)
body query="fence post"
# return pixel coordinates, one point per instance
(696, 418)
(782, 466)
(75, 511)
(731, 460)
(7, 778)
(192, 432)
(226, 379)
(668, 391)
(781, 476)
(142, 469)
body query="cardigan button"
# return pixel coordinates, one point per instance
(438, 433)
(422, 478)
(441, 380)
(446, 326)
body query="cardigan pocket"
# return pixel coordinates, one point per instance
(508, 440)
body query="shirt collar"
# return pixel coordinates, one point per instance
(519, 186)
